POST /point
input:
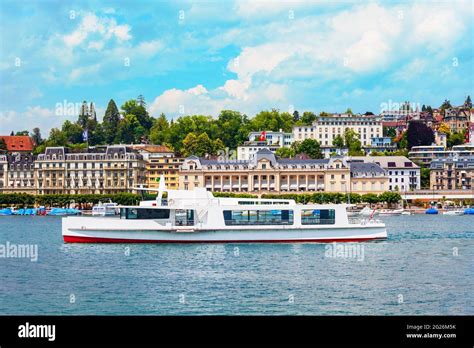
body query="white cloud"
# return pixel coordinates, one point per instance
(150, 48)
(84, 71)
(319, 48)
(33, 116)
(409, 71)
(101, 28)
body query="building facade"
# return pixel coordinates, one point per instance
(160, 160)
(267, 173)
(17, 173)
(326, 128)
(273, 138)
(117, 169)
(426, 154)
(454, 173)
(249, 149)
(403, 174)
(367, 178)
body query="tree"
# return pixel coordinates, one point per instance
(232, 128)
(272, 120)
(390, 197)
(56, 138)
(338, 141)
(456, 139)
(200, 145)
(425, 178)
(419, 134)
(141, 101)
(36, 135)
(352, 142)
(3, 145)
(446, 105)
(310, 147)
(129, 130)
(444, 128)
(370, 198)
(308, 118)
(285, 152)
(197, 124)
(296, 116)
(349, 111)
(403, 141)
(159, 131)
(110, 122)
(25, 132)
(131, 107)
(72, 132)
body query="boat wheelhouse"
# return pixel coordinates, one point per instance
(198, 217)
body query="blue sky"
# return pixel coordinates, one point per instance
(199, 57)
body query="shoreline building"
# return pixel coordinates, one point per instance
(249, 149)
(273, 138)
(367, 178)
(453, 173)
(160, 160)
(266, 173)
(326, 128)
(117, 169)
(402, 173)
(18, 173)
(426, 154)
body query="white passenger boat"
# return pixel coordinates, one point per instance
(199, 217)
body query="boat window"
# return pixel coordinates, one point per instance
(258, 217)
(184, 217)
(318, 217)
(144, 214)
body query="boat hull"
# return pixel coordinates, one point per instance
(74, 232)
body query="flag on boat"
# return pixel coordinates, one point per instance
(85, 135)
(263, 136)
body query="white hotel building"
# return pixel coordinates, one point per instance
(403, 174)
(326, 128)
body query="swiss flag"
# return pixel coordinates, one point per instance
(263, 136)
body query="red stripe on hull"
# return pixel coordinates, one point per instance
(75, 239)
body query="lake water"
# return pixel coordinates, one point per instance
(426, 266)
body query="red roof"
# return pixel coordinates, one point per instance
(18, 143)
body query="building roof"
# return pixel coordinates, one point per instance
(387, 162)
(373, 169)
(18, 143)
